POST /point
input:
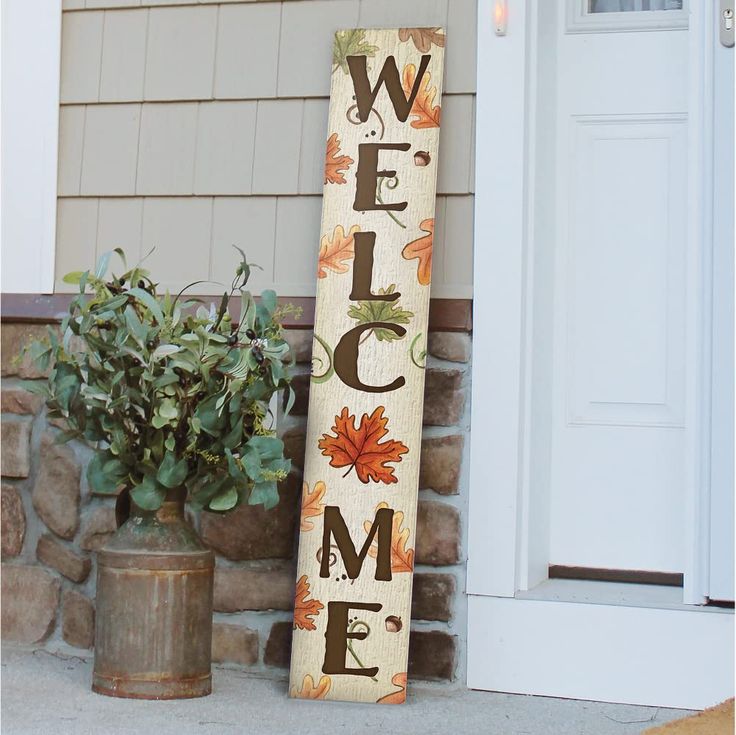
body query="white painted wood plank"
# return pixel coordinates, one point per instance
(81, 49)
(462, 24)
(297, 242)
(457, 263)
(249, 223)
(31, 34)
(278, 136)
(180, 230)
(225, 140)
(376, 388)
(312, 26)
(247, 51)
(456, 145)
(312, 153)
(608, 653)
(119, 224)
(166, 149)
(123, 56)
(180, 56)
(71, 144)
(407, 13)
(110, 149)
(498, 249)
(76, 236)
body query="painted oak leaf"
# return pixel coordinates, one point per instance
(335, 252)
(398, 680)
(426, 115)
(423, 37)
(311, 505)
(350, 43)
(310, 691)
(421, 248)
(361, 448)
(305, 609)
(335, 164)
(402, 559)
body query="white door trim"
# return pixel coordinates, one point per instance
(498, 308)
(31, 61)
(606, 653)
(505, 553)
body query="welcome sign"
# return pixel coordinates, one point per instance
(359, 500)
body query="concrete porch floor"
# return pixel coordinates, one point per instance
(49, 694)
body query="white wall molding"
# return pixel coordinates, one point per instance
(31, 54)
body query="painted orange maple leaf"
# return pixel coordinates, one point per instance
(402, 559)
(421, 248)
(335, 252)
(398, 680)
(304, 609)
(423, 37)
(310, 691)
(335, 164)
(361, 448)
(311, 505)
(425, 113)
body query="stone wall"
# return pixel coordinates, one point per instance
(52, 525)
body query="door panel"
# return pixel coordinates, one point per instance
(626, 269)
(617, 362)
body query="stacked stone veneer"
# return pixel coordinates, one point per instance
(52, 525)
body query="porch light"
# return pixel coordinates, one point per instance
(500, 17)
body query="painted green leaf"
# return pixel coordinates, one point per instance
(350, 43)
(367, 312)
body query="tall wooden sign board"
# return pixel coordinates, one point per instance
(361, 473)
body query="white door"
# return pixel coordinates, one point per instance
(616, 402)
(594, 368)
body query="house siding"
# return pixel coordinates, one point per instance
(190, 127)
(210, 111)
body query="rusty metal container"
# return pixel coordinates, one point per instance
(154, 607)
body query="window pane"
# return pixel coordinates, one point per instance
(623, 6)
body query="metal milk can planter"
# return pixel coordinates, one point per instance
(154, 607)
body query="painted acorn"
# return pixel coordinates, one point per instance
(422, 158)
(393, 624)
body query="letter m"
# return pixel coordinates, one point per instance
(334, 526)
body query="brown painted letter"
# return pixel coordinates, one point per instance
(365, 96)
(335, 525)
(337, 634)
(346, 358)
(363, 270)
(367, 176)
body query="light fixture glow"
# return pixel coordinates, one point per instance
(500, 17)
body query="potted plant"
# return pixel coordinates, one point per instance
(174, 397)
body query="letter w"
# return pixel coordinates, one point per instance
(334, 525)
(365, 96)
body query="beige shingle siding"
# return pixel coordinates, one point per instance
(193, 126)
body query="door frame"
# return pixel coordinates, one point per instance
(507, 527)
(31, 68)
